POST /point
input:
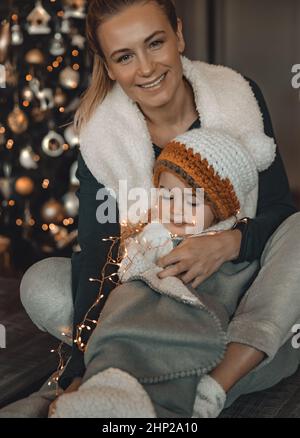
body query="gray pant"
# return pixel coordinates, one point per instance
(264, 317)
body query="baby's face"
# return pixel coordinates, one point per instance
(191, 212)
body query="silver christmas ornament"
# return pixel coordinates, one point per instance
(26, 158)
(74, 181)
(71, 137)
(65, 26)
(45, 96)
(6, 183)
(52, 144)
(71, 204)
(75, 8)
(53, 211)
(37, 20)
(16, 35)
(57, 46)
(69, 78)
(78, 41)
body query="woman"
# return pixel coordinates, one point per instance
(137, 47)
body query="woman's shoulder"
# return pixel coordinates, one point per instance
(85, 176)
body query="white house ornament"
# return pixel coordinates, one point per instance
(52, 144)
(37, 20)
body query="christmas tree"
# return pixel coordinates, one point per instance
(45, 67)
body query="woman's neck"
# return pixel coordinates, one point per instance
(176, 112)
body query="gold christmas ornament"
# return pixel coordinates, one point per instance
(27, 94)
(37, 20)
(17, 120)
(5, 40)
(35, 56)
(11, 74)
(24, 186)
(53, 211)
(69, 78)
(39, 115)
(59, 98)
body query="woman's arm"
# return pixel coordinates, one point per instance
(88, 263)
(198, 258)
(274, 198)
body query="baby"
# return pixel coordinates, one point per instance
(210, 160)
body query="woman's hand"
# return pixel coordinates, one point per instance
(71, 388)
(197, 258)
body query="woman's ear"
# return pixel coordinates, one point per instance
(180, 37)
(109, 72)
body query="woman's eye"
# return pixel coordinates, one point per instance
(156, 44)
(124, 59)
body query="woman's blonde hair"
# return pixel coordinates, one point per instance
(101, 84)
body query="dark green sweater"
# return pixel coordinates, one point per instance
(274, 206)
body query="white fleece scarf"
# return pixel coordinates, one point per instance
(116, 144)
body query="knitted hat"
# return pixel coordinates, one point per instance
(226, 168)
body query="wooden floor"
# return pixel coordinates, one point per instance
(26, 363)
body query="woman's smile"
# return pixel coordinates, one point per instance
(155, 85)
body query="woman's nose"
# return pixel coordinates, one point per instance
(146, 66)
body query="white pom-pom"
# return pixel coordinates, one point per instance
(261, 147)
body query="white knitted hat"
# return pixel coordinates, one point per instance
(225, 167)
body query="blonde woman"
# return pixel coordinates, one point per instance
(144, 93)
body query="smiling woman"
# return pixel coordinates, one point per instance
(145, 62)
(149, 348)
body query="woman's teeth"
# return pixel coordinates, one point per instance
(154, 84)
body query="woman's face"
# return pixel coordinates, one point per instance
(142, 53)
